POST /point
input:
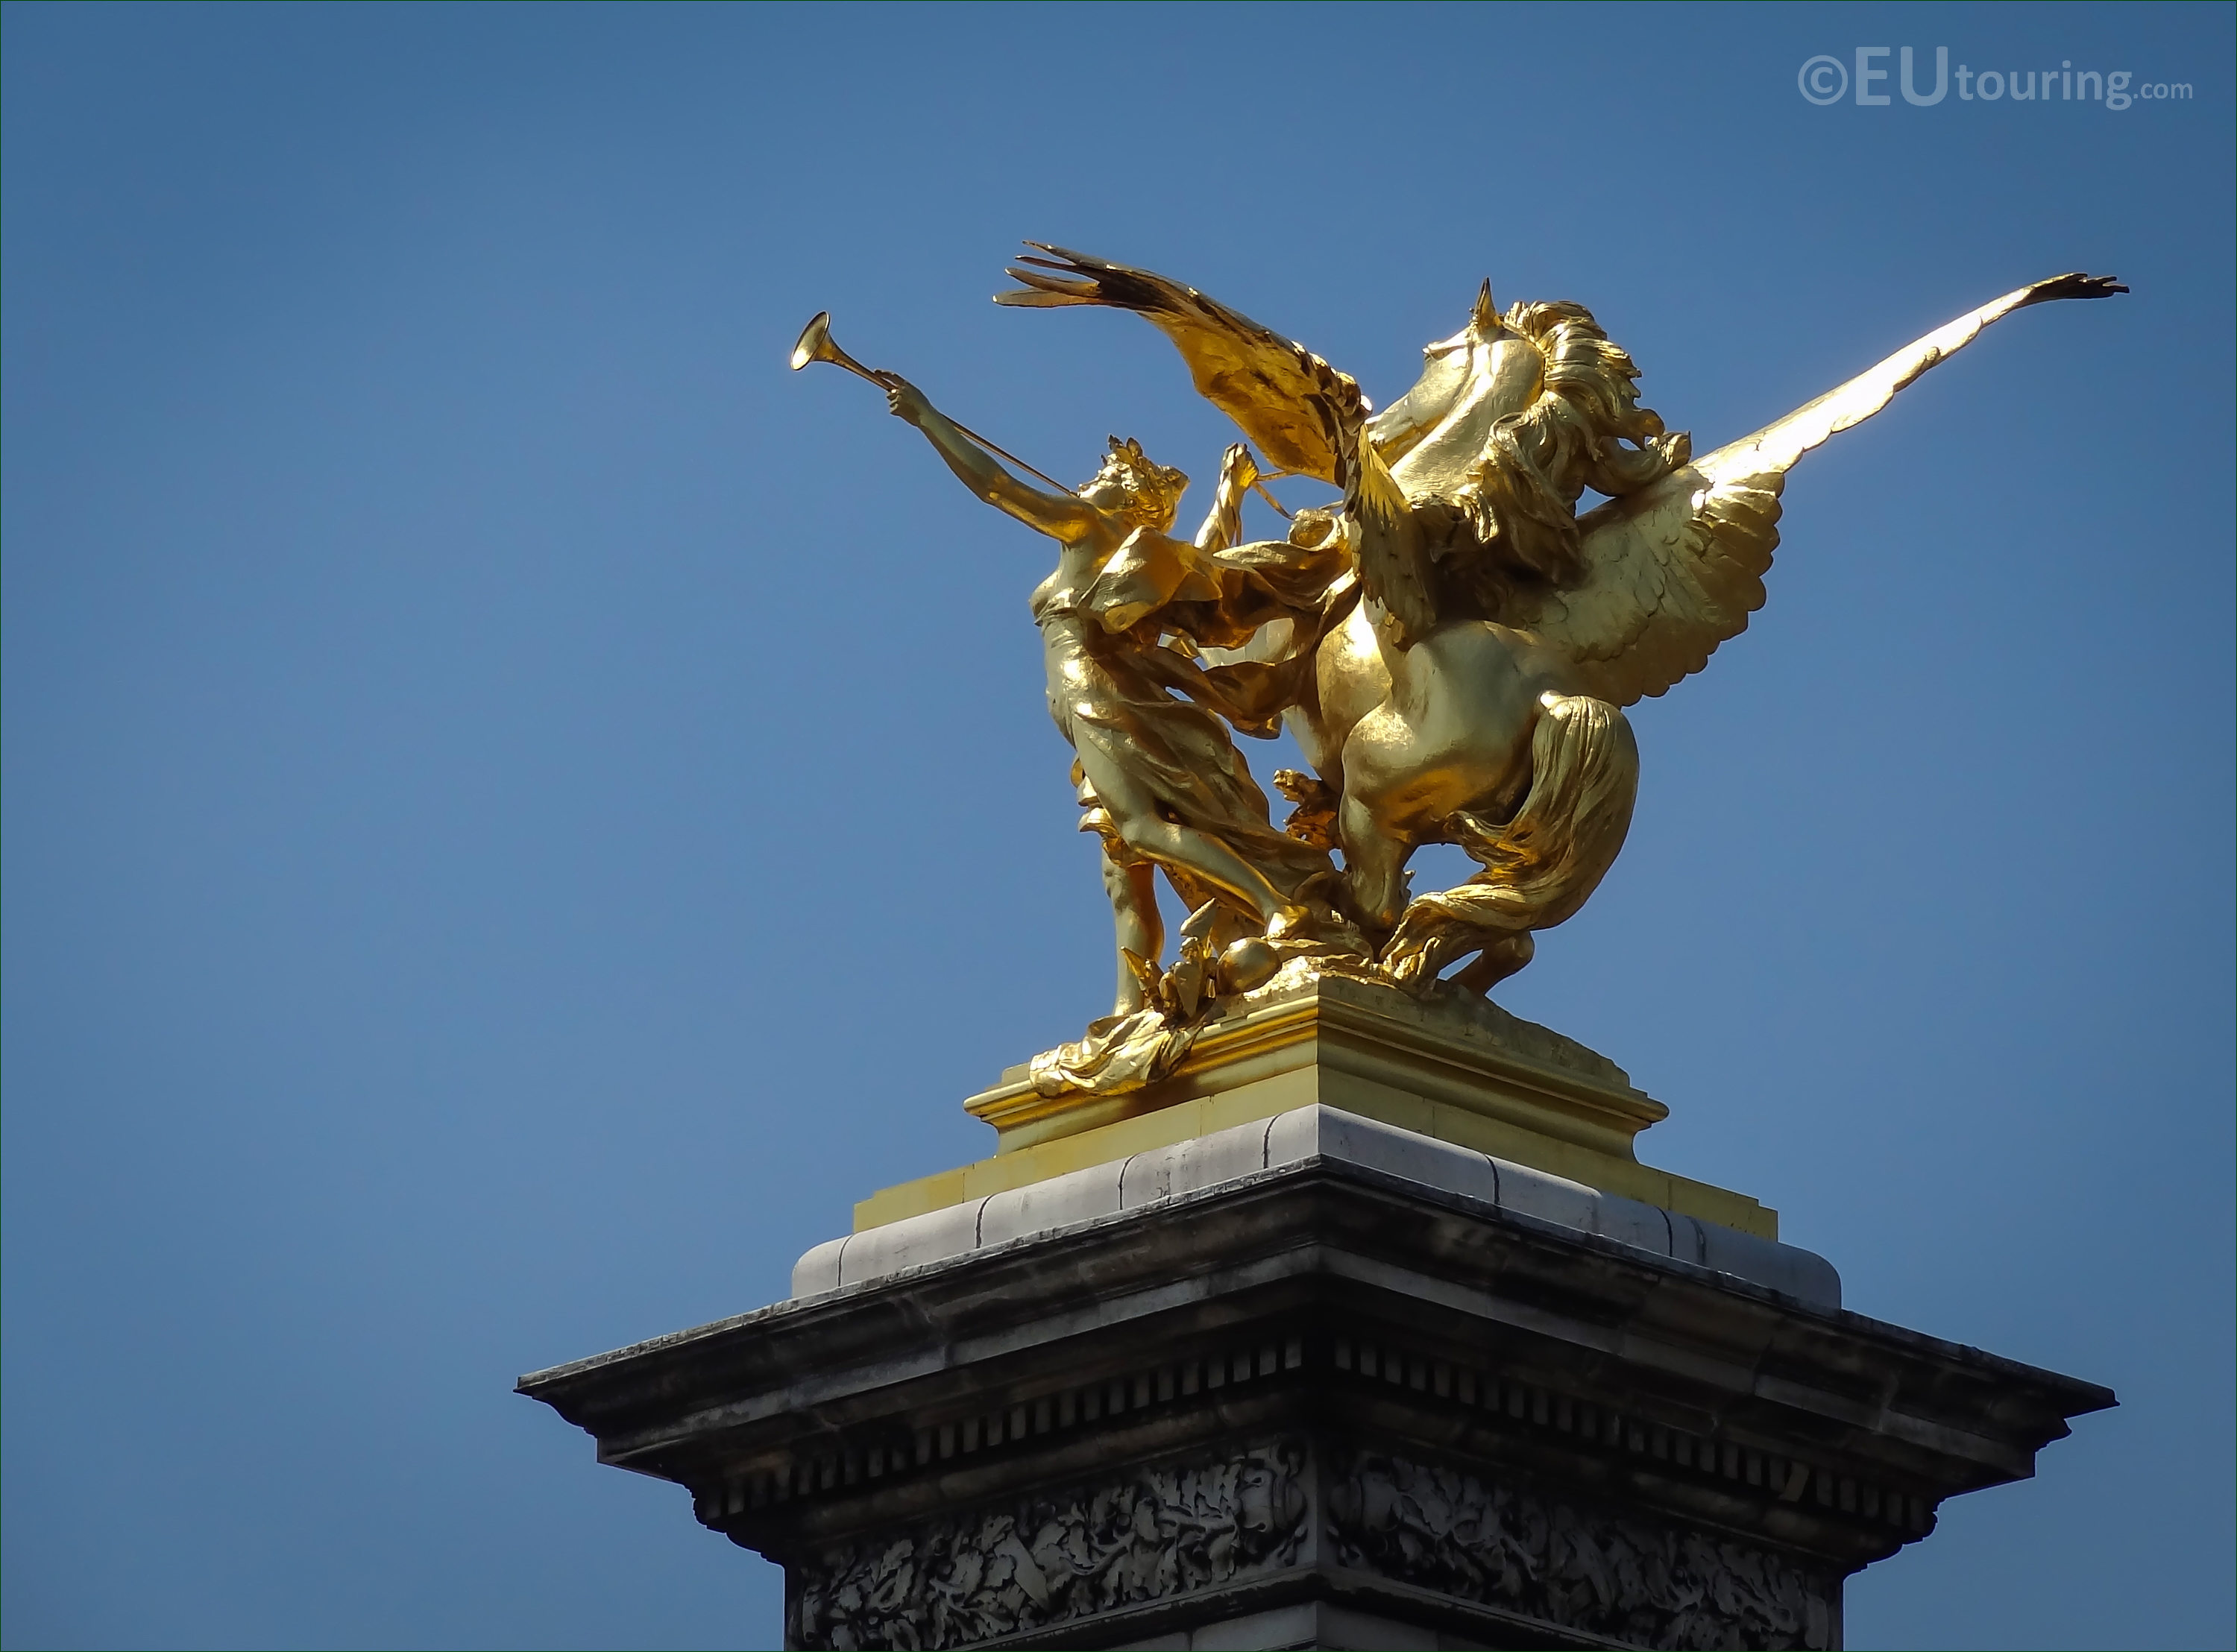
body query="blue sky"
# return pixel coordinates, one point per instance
(517, 810)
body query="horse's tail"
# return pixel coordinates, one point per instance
(1539, 867)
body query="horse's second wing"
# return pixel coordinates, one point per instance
(1674, 569)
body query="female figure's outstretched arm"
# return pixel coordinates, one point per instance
(1063, 516)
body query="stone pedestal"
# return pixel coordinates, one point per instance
(1454, 1067)
(1314, 1380)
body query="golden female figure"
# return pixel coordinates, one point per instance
(1162, 777)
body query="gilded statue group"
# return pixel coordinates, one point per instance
(1451, 642)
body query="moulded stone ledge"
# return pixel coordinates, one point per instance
(1307, 1134)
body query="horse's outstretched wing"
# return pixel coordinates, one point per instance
(1286, 399)
(1303, 414)
(1675, 568)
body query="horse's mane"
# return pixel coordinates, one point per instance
(1520, 497)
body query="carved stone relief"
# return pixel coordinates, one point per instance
(1628, 1580)
(1161, 1533)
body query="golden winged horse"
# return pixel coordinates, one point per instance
(1474, 694)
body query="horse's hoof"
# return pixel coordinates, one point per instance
(1249, 964)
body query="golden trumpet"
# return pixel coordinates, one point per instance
(816, 344)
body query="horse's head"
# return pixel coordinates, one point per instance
(1484, 372)
(1513, 417)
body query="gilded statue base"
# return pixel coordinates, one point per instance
(1449, 1065)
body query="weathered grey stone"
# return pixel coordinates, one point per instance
(1189, 1167)
(1318, 1403)
(1646, 1227)
(817, 1271)
(903, 1245)
(1043, 1207)
(1551, 1198)
(1296, 1137)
